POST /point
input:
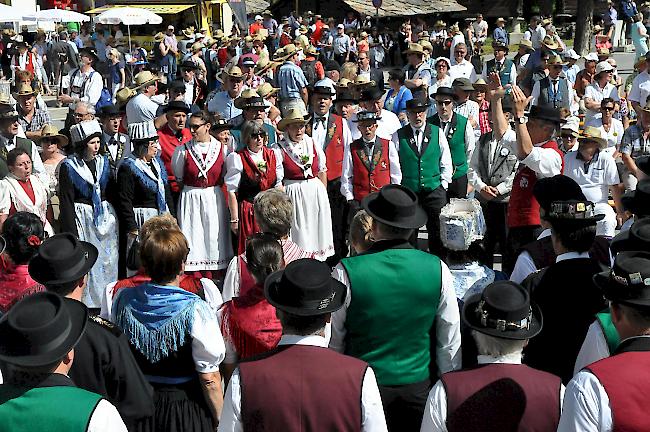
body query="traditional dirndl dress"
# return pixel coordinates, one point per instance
(202, 212)
(25, 196)
(247, 175)
(96, 223)
(311, 227)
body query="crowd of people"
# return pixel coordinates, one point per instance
(231, 237)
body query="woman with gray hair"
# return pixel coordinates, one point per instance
(251, 170)
(273, 212)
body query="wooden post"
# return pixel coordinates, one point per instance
(584, 26)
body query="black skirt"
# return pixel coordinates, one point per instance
(178, 408)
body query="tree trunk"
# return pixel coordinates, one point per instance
(584, 26)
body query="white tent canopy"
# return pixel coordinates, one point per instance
(128, 16)
(58, 15)
(10, 14)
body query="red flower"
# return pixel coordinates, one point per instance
(33, 240)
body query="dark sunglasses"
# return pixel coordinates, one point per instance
(607, 108)
(445, 102)
(195, 126)
(259, 135)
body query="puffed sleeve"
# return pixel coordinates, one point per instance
(234, 168)
(279, 165)
(178, 162)
(208, 349)
(5, 200)
(322, 161)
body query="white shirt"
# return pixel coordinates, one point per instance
(597, 94)
(524, 265)
(88, 84)
(435, 411)
(505, 186)
(599, 175)
(462, 70)
(640, 88)
(189, 92)
(319, 131)
(447, 320)
(480, 28)
(468, 109)
(470, 141)
(546, 162)
(140, 109)
(593, 348)
(614, 135)
(386, 127)
(535, 36)
(446, 165)
(347, 174)
(106, 418)
(372, 411)
(573, 107)
(586, 406)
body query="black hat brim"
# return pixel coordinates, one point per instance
(78, 320)
(610, 289)
(473, 322)
(272, 288)
(620, 242)
(416, 221)
(575, 222)
(38, 271)
(186, 109)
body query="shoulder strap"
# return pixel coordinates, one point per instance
(609, 331)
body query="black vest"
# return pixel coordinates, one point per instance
(548, 99)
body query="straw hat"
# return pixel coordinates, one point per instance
(593, 134)
(246, 97)
(311, 50)
(414, 48)
(231, 72)
(289, 51)
(500, 20)
(294, 116)
(145, 78)
(124, 95)
(278, 54)
(344, 83)
(52, 132)
(550, 43)
(24, 90)
(526, 43)
(362, 81)
(303, 29)
(426, 45)
(188, 32)
(263, 65)
(159, 37)
(265, 90)
(480, 85)
(555, 60)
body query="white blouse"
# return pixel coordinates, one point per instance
(180, 155)
(235, 166)
(305, 146)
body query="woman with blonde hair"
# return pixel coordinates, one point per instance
(174, 337)
(116, 71)
(349, 71)
(361, 232)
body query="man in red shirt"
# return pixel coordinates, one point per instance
(256, 26)
(173, 134)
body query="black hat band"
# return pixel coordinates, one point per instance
(501, 324)
(571, 210)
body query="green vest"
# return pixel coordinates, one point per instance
(420, 172)
(457, 145)
(52, 409)
(609, 331)
(22, 143)
(385, 286)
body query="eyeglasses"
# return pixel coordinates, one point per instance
(259, 135)
(444, 102)
(80, 115)
(362, 58)
(441, 65)
(607, 108)
(194, 127)
(567, 137)
(459, 52)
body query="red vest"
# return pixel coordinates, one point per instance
(253, 180)
(29, 64)
(191, 174)
(291, 388)
(504, 397)
(293, 172)
(365, 181)
(626, 379)
(333, 145)
(168, 143)
(186, 282)
(523, 209)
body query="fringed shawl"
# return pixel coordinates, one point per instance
(157, 319)
(143, 172)
(84, 182)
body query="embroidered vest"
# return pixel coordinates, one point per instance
(502, 165)
(514, 396)
(369, 175)
(277, 390)
(192, 176)
(523, 209)
(58, 408)
(399, 354)
(253, 179)
(551, 99)
(293, 172)
(333, 145)
(626, 378)
(420, 170)
(457, 144)
(504, 71)
(22, 143)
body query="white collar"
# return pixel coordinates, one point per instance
(545, 233)
(512, 358)
(421, 129)
(312, 340)
(571, 255)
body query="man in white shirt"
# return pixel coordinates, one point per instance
(370, 100)
(640, 88)
(464, 105)
(395, 316)
(535, 33)
(595, 171)
(461, 68)
(141, 108)
(502, 391)
(9, 140)
(609, 394)
(262, 393)
(480, 27)
(223, 103)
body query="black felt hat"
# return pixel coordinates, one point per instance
(370, 94)
(62, 258)
(305, 288)
(446, 92)
(345, 96)
(503, 310)
(547, 114)
(556, 188)
(573, 212)
(40, 329)
(417, 104)
(109, 111)
(628, 281)
(396, 206)
(89, 51)
(638, 201)
(323, 90)
(176, 106)
(637, 238)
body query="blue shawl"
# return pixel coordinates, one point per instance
(157, 319)
(84, 185)
(148, 182)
